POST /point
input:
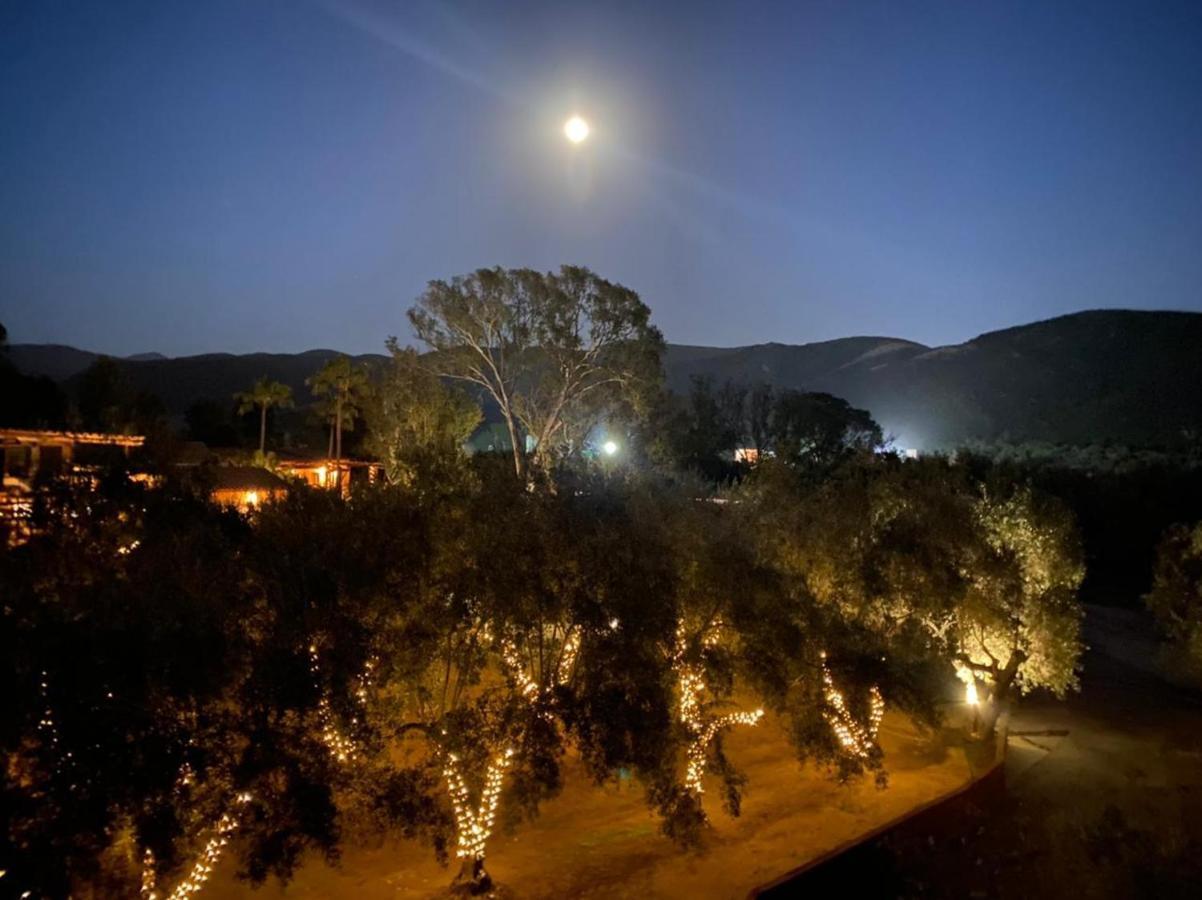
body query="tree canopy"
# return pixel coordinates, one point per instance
(1175, 599)
(418, 425)
(558, 352)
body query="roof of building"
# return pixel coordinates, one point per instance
(246, 478)
(72, 437)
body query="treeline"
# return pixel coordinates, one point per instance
(420, 659)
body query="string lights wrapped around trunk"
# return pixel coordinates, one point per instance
(209, 857)
(691, 683)
(342, 747)
(532, 690)
(855, 739)
(474, 824)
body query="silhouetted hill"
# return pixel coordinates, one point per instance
(1105, 376)
(56, 361)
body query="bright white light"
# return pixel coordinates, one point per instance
(576, 129)
(610, 448)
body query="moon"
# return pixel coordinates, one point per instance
(576, 129)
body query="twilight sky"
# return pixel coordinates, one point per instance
(247, 175)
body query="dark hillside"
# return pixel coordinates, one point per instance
(1099, 377)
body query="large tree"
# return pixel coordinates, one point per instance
(417, 424)
(558, 352)
(152, 701)
(1175, 599)
(818, 430)
(263, 395)
(922, 557)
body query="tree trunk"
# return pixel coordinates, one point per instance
(519, 452)
(338, 443)
(999, 696)
(262, 428)
(473, 878)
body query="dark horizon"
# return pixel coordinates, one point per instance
(668, 338)
(235, 176)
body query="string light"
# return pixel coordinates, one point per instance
(46, 726)
(692, 686)
(857, 740)
(527, 686)
(341, 747)
(148, 891)
(212, 853)
(475, 824)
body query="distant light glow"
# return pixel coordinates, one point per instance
(970, 685)
(576, 129)
(610, 447)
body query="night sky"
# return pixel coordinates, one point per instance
(244, 175)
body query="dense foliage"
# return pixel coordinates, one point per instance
(1176, 596)
(559, 353)
(400, 659)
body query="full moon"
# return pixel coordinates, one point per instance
(575, 129)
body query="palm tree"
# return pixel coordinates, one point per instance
(264, 394)
(344, 385)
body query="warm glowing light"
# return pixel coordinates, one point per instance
(691, 684)
(970, 685)
(251, 498)
(526, 685)
(475, 824)
(212, 853)
(858, 740)
(576, 129)
(322, 472)
(610, 447)
(149, 878)
(341, 747)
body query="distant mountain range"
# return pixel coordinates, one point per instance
(1105, 376)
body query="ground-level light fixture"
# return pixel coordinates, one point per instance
(610, 448)
(576, 129)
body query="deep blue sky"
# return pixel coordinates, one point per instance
(211, 175)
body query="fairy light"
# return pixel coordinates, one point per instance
(527, 686)
(46, 726)
(567, 659)
(212, 852)
(474, 824)
(692, 686)
(148, 891)
(341, 747)
(856, 739)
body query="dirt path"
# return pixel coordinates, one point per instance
(596, 843)
(1102, 795)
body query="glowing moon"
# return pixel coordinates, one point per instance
(576, 129)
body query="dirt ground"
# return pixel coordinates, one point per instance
(1102, 795)
(604, 842)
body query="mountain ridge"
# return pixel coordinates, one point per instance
(1096, 376)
